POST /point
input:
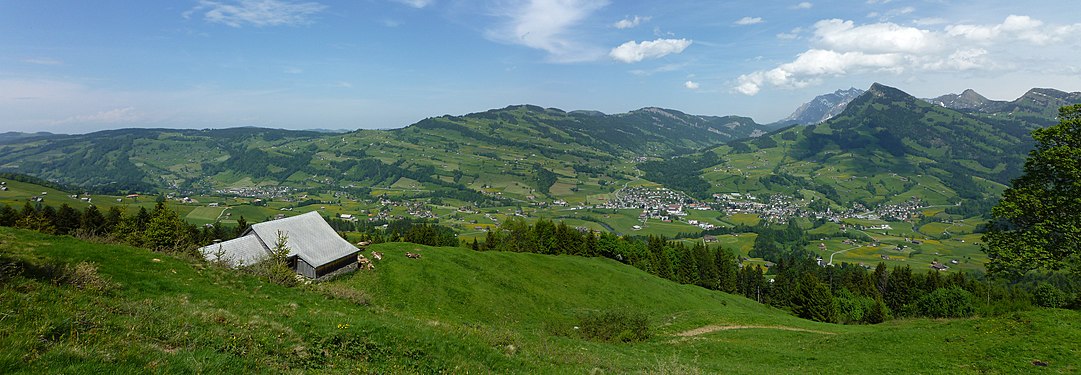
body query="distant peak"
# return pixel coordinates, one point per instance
(971, 94)
(880, 90)
(878, 87)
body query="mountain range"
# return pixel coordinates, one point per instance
(857, 146)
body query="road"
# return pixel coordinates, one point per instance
(841, 251)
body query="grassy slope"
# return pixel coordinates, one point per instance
(458, 311)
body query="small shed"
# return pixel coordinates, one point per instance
(315, 249)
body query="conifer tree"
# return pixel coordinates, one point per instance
(92, 222)
(67, 219)
(813, 300)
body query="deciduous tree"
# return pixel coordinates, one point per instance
(1037, 224)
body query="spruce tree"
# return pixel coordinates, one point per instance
(813, 300)
(92, 221)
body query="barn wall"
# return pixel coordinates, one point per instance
(305, 269)
(346, 261)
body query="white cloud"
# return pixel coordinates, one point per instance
(691, 85)
(43, 61)
(879, 37)
(257, 13)
(791, 35)
(547, 25)
(810, 66)
(417, 3)
(749, 21)
(803, 5)
(966, 59)
(931, 21)
(660, 69)
(632, 51)
(113, 116)
(1014, 27)
(841, 48)
(628, 23)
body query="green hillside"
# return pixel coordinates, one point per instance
(515, 152)
(886, 147)
(76, 307)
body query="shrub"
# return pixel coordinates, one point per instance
(1047, 295)
(85, 276)
(952, 302)
(614, 326)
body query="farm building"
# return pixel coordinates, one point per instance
(315, 249)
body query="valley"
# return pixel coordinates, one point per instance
(873, 218)
(913, 197)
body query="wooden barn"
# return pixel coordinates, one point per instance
(315, 249)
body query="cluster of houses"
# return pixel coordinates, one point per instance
(776, 208)
(257, 192)
(658, 201)
(779, 208)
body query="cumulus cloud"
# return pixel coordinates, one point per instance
(809, 67)
(748, 21)
(1014, 27)
(416, 3)
(628, 23)
(803, 5)
(633, 51)
(879, 37)
(841, 47)
(257, 13)
(691, 85)
(548, 25)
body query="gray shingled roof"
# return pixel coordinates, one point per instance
(239, 252)
(310, 238)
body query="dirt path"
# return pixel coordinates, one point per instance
(715, 328)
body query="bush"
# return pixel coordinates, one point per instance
(614, 326)
(1047, 295)
(952, 302)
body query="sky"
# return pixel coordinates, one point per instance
(82, 66)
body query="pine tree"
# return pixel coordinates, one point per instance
(727, 269)
(8, 216)
(67, 219)
(92, 222)
(881, 278)
(706, 265)
(900, 290)
(878, 312)
(165, 231)
(241, 227)
(813, 300)
(112, 219)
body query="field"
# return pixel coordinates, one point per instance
(454, 310)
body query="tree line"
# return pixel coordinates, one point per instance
(158, 229)
(796, 282)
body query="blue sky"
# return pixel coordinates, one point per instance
(81, 66)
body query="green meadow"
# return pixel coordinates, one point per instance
(71, 306)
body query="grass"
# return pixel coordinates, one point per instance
(70, 306)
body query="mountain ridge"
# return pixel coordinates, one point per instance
(821, 108)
